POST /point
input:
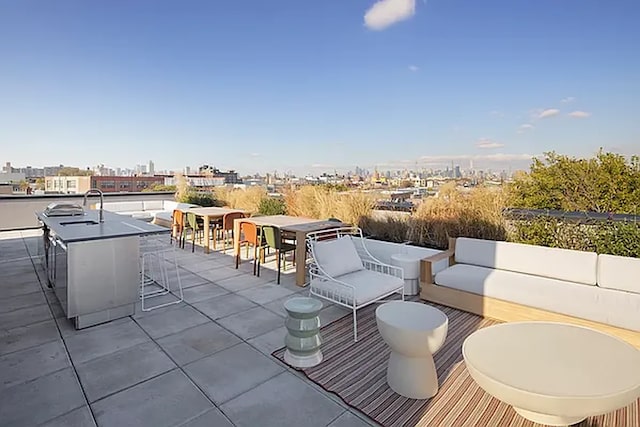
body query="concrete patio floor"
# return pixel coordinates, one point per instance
(203, 362)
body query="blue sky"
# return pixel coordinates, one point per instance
(302, 86)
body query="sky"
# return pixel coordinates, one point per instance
(316, 86)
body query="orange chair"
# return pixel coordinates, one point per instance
(226, 228)
(178, 227)
(250, 236)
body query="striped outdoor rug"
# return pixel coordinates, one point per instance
(357, 373)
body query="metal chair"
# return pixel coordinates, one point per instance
(158, 262)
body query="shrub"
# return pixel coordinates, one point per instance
(205, 199)
(324, 202)
(272, 206)
(248, 199)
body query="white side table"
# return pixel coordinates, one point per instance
(414, 331)
(411, 267)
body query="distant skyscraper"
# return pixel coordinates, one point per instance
(151, 168)
(470, 164)
(456, 172)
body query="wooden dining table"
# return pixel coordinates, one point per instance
(208, 215)
(292, 224)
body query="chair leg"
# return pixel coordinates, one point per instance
(260, 253)
(355, 326)
(255, 258)
(278, 255)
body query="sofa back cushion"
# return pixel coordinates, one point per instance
(153, 205)
(554, 263)
(124, 206)
(619, 272)
(338, 256)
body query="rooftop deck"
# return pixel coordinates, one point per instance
(205, 361)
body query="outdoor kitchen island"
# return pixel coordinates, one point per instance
(92, 265)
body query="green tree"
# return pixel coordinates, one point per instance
(605, 183)
(161, 187)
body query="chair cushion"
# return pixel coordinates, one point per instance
(554, 263)
(606, 306)
(619, 272)
(337, 257)
(369, 285)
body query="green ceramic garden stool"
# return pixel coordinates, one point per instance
(303, 332)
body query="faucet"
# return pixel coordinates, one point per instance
(93, 191)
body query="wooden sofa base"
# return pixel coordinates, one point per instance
(512, 312)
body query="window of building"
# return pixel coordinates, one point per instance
(108, 184)
(71, 183)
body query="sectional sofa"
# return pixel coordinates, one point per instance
(512, 281)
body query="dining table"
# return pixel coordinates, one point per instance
(208, 215)
(297, 225)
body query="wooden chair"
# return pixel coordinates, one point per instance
(250, 235)
(226, 228)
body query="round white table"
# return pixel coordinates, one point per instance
(414, 331)
(553, 373)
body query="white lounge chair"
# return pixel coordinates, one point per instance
(344, 272)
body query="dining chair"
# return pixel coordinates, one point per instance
(250, 235)
(196, 228)
(273, 239)
(227, 228)
(178, 227)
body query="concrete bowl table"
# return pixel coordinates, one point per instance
(303, 332)
(414, 331)
(410, 264)
(553, 373)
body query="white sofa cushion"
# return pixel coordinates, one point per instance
(619, 272)
(369, 285)
(554, 263)
(153, 205)
(337, 257)
(617, 308)
(124, 206)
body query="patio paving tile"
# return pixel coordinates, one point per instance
(350, 420)
(277, 306)
(203, 292)
(172, 321)
(251, 323)
(80, 417)
(124, 368)
(224, 305)
(91, 343)
(241, 282)
(31, 363)
(269, 342)
(284, 397)
(200, 265)
(28, 336)
(197, 342)
(20, 284)
(216, 275)
(40, 400)
(212, 418)
(21, 301)
(157, 301)
(25, 316)
(167, 400)
(231, 372)
(265, 293)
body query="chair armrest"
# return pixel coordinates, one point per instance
(383, 268)
(426, 265)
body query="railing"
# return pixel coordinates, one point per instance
(18, 212)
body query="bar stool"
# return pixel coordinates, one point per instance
(157, 261)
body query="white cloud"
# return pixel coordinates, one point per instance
(385, 13)
(413, 68)
(549, 112)
(579, 114)
(567, 100)
(487, 143)
(525, 127)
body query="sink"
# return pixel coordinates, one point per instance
(82, 222)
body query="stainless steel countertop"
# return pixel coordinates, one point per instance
(114, 225)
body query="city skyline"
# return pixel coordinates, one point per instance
(310, 88)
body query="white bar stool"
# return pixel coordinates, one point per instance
(157, 260)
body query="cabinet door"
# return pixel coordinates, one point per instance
(60, 283)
